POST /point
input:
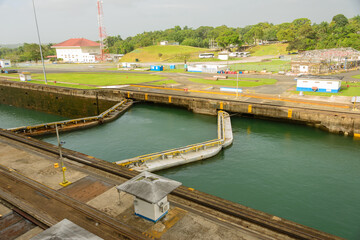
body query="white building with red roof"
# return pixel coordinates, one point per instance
(78, 50)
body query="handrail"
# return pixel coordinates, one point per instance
(219, 141)
(85, 119)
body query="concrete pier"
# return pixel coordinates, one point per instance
(75, 124)
(183, 155)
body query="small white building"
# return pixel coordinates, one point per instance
(78, 50)
(164, 43)
(318, 84)
(25, 76)
(5, 63)
(223, 56)
(150, 192)
(128, 65)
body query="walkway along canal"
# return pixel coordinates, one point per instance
(183, 155)
(75, 124)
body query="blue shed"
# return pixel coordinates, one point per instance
(156, 68)
(172, 66)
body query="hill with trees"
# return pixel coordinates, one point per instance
(300, 34)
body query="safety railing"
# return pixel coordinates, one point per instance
(72, 121)
(178, 151)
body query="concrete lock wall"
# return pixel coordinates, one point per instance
(54, 100)
(81, 103)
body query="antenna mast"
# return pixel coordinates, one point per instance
(102, 31)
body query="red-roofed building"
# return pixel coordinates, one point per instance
(78, 50)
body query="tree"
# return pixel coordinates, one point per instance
(254, 34)
(340, 21)
(227, 38)
(31, 52)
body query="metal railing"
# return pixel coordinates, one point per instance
(178, 151)
(72, 121)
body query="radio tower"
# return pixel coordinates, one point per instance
(102, 31)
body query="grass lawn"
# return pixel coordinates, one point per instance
(356, 76)
(272, 66)
(271, 49)
(164, 82)
(100, 79)
(243, 82)
(164, 53)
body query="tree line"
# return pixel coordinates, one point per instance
(301, 34)
(27, 52)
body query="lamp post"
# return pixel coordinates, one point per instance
(64, 183)
(41, 54)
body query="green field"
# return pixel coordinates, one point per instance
(271, 49)
(99, 79)
(164, 54)
(243, 82)
(270, 66)
(356, 76)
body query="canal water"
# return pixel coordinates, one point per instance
(291, 171)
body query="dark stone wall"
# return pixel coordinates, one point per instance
(54, 102)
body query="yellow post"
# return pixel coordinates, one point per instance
(169, 99)
(221, 105)
(128, 94)
(64, 183)
(146, 96)
(290, 113)
(250, 108)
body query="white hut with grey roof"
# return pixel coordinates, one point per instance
(150, 191)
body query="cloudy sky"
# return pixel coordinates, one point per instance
(60, 20)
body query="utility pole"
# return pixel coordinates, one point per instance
(41, 54)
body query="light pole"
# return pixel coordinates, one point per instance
(64, 183)
(41, 54)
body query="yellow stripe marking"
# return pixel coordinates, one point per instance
(250, 108)
(146, 96)
(221, 105)
(169, 99)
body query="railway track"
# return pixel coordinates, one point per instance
(45, 199)
(231, 209)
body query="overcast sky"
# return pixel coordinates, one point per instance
(60, 20)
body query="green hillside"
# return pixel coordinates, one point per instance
(164, 54)
(272, 49)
